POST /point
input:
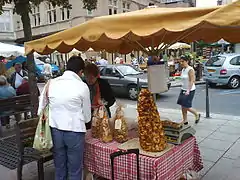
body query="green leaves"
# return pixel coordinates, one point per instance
(90, 4)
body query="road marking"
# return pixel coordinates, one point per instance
(230, 92)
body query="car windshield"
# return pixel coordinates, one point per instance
(38, 62)
(216, 61)
(128, 70)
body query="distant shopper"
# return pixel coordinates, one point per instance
(17, 77)
(6, 91)
(47, 71)
(24, 88)
(103, 62)
(188, 90)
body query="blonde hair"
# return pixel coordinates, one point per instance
(3, 70)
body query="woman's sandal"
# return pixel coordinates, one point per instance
(186, 123)
(198, 119)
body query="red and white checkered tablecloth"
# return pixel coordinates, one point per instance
(169, 166)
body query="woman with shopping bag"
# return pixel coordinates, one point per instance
(67, 101)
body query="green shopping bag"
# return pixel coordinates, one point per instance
(43, 137)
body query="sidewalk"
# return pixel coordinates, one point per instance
(218, 139)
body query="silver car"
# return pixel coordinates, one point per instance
(223, 69)
(123, 79)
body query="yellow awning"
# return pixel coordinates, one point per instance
(144, 28)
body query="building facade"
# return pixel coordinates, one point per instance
(46, 19)
(7, 34)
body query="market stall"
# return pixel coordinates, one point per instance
(169, 166)
(127, 32)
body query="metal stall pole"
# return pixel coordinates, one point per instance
(207, 101)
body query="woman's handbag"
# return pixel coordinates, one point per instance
(43, 137)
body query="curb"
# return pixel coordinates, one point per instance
(197, 83)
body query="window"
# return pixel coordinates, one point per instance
(68, 14)
(65, 14)
(216, 61)
(126, 7)
(112, 7)
(36, 16)
(110, 72)
(110, 11)
(5, 22)
(235, 61)
(115, 3)
(52, 14)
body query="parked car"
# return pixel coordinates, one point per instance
(223, 69)
(123, 79)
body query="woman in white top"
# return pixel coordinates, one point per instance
(188, 90)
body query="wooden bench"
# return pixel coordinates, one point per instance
(25, 132)
(15, 106)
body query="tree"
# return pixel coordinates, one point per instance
(23, 8)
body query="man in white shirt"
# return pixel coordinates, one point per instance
(69, 110)
(103, 62)
(17, 77)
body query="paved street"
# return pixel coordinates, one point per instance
(222, 100)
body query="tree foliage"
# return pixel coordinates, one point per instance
(23, 8)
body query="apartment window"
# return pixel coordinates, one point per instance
(52, 14)
(65, 14)
(36, 16)
(126, 7)
(110, 11)
(115, 3)
(112, 7)
(68, 14)
(5, 21)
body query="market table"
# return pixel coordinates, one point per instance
(169, 166)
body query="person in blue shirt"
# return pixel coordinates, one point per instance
(6, 91)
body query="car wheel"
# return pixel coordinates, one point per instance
(212, 85)
(132, 92)
(234, 82)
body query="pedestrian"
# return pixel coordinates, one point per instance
(100, 90)
(69, 109)
(6, 91)
(17, 76)
(188, 90)
(24, 87)
(103, 62)
(47, 71)
(3, 70)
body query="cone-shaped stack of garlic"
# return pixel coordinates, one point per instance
(151, 133)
